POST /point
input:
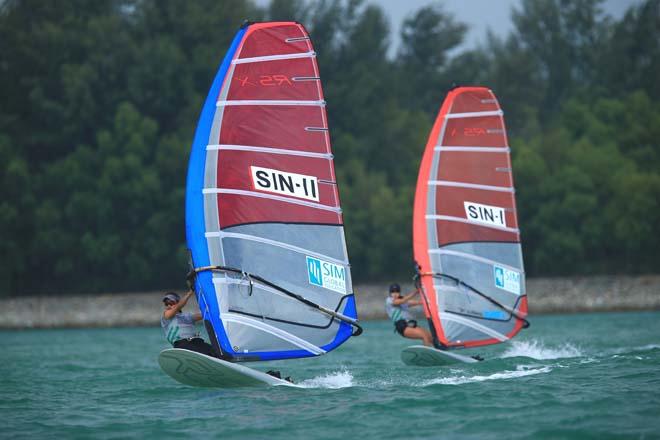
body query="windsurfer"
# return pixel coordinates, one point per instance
(179, 327)
(397, 306)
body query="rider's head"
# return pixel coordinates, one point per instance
(171, 298)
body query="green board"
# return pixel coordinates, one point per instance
(423, 356)
(199, 370)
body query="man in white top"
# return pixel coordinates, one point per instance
(397, 306)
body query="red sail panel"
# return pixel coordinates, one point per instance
(274, 62)
(468, 167)
(235, 163)
(279, 79)
(481, 131)
(238, 209)
(451, 202)
(464, 233)
(275, 38)
(288, 127)
(474, 99)
(233, 176)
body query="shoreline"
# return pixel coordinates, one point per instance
(546, 296)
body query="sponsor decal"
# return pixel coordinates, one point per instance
(327, 275)
(288, 184)
(506, 279)
(485, 214)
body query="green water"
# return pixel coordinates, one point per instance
(573, 376)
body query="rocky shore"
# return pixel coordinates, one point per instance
(546, 295)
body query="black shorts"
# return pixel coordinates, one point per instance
(402, 324)
(196, 344)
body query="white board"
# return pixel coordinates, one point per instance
(199, 370)
(423, 356)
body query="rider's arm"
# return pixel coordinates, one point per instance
(170, 313)
(404, 299)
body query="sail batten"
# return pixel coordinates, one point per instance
(504, 150)
(289, 56)
(471, 185)
(270, 102)
(472, 114)
(269, 150)
(263, 214)
(466, 235)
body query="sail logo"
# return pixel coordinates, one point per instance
(485, 214)
(265, 80)
(506, 279)
(314, 271)
(470, 131)
(327, 275)
(274, 80)
(288, 184)
(474, 131)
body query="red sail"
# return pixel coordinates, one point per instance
(465, 228)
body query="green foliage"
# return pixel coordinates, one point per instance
(100, 100)
(587, 189)
(16, 212)
(427, 37)
(632, 59)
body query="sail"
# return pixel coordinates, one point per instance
(465, 228)
(262, 205)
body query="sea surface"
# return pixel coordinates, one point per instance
(589, 376)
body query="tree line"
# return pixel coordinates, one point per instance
(100, 101)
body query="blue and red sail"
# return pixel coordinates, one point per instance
(262, 199)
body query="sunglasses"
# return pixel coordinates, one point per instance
(169, 303)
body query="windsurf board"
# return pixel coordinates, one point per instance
(199, 370)
(423, 356)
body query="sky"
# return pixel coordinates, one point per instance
(479, 15)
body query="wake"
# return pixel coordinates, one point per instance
(536, 350)
(334, 380)
(459, 380)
